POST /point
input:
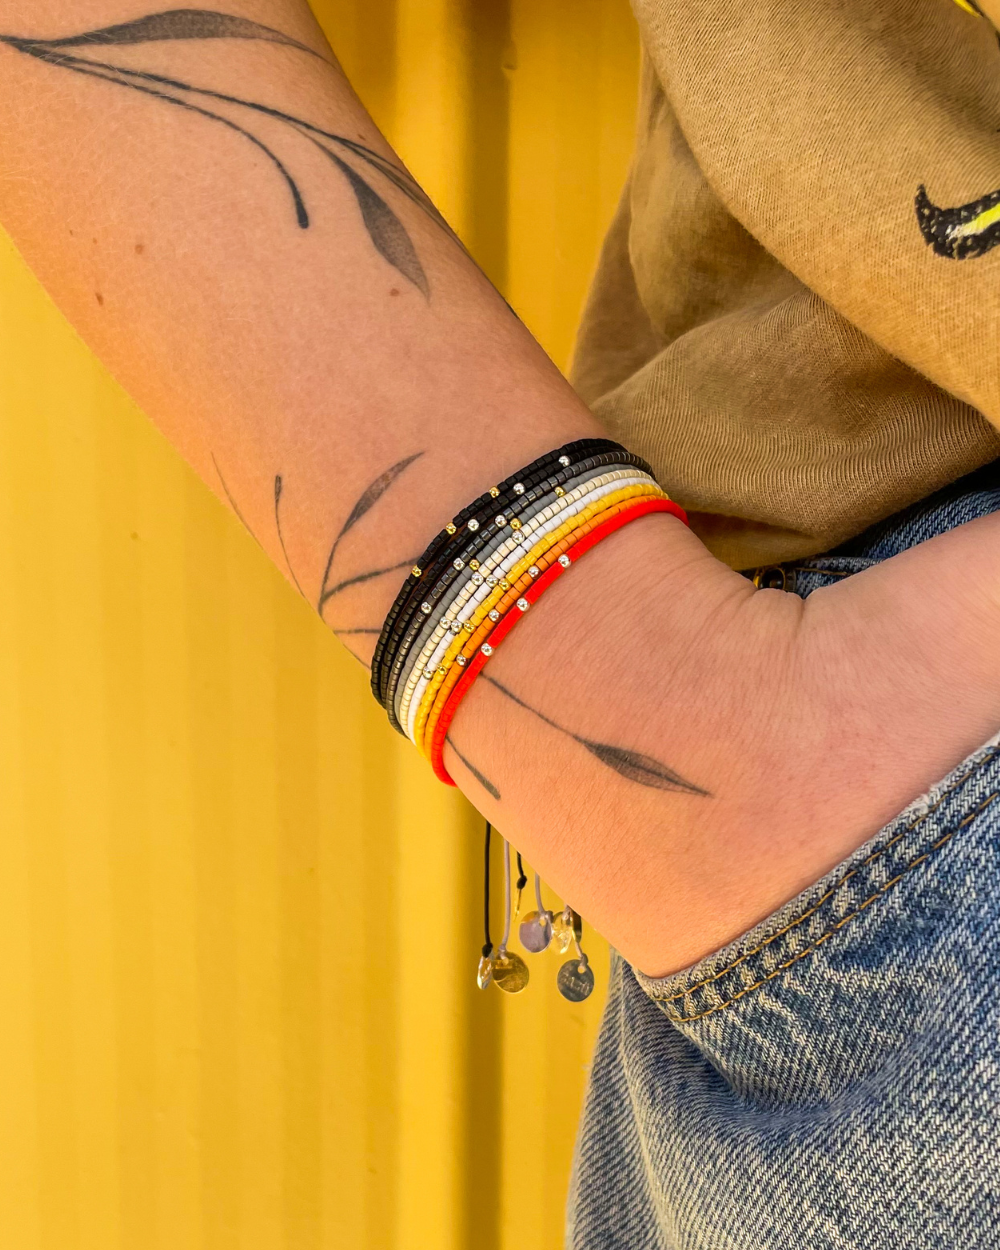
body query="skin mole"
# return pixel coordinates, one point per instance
(99, 297)
(394, 291)
(140, 248)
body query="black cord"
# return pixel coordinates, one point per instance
(522, 879)
(487, 945)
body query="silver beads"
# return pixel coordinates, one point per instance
(477, 579)
(565, 561)
(564, 461)
(473, 525)
(534, 571)
(523, 605)
(458, 564)
(494, 615)
(518, 488)
(486, 649)
(426, 609)
(500, 521)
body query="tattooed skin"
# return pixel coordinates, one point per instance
(386, 232)
(631, 765)
(232, 502)
(369, 497)
(359, 165)
(281, 537)
(484, 781)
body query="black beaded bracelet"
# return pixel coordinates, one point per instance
(455, 574)
(436, 576)
(414, 578)
(445, 561)
(480, 506)
(477, 511)
(467, 545)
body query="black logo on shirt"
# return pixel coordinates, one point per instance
(958, 233)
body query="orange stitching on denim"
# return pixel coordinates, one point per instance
(677, 1019)
(834, 888)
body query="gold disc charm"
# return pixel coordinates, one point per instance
(535, 931)
(566, 927)
(484, 974)
(575, 980)
(510, 972)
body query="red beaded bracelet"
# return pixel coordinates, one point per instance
(509, 620)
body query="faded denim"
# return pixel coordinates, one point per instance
(831, 1078)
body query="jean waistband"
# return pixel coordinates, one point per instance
(975, 495)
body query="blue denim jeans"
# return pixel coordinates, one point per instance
(831, 1078)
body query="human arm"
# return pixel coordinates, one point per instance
(271, 351)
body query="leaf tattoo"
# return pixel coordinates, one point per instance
(642, 769)
(179, 24)
(369, 498)
(631, 765)
(385, 230)
(485, 782)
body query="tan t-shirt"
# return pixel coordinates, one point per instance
(796, 316)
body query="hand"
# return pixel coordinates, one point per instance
(810, 725)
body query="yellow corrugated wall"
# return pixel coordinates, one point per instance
(238, 919)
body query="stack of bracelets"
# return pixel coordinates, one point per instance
(486, 568)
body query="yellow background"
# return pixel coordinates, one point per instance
(238, 919)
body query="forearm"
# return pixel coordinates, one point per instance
(214, 230)
(296, 329)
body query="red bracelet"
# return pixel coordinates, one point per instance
(509, 620)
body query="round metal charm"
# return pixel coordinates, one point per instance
(535, 931)
(510, 972)
(566, 926)
(575, 980)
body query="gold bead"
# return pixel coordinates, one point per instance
(469, 627)
(560, 492)
(416, 570)
(515, 524)
(494, 491)
(441, 670)
(449, 528)
(474, 565)
(504, 584)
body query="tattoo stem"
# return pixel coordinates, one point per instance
(487, 785)
(233, 504)
(281, 537)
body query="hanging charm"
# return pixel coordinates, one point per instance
(567, 927)
(575, 978)
(535, 933)
(535, 930)
(484, 974)
(510, 972)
